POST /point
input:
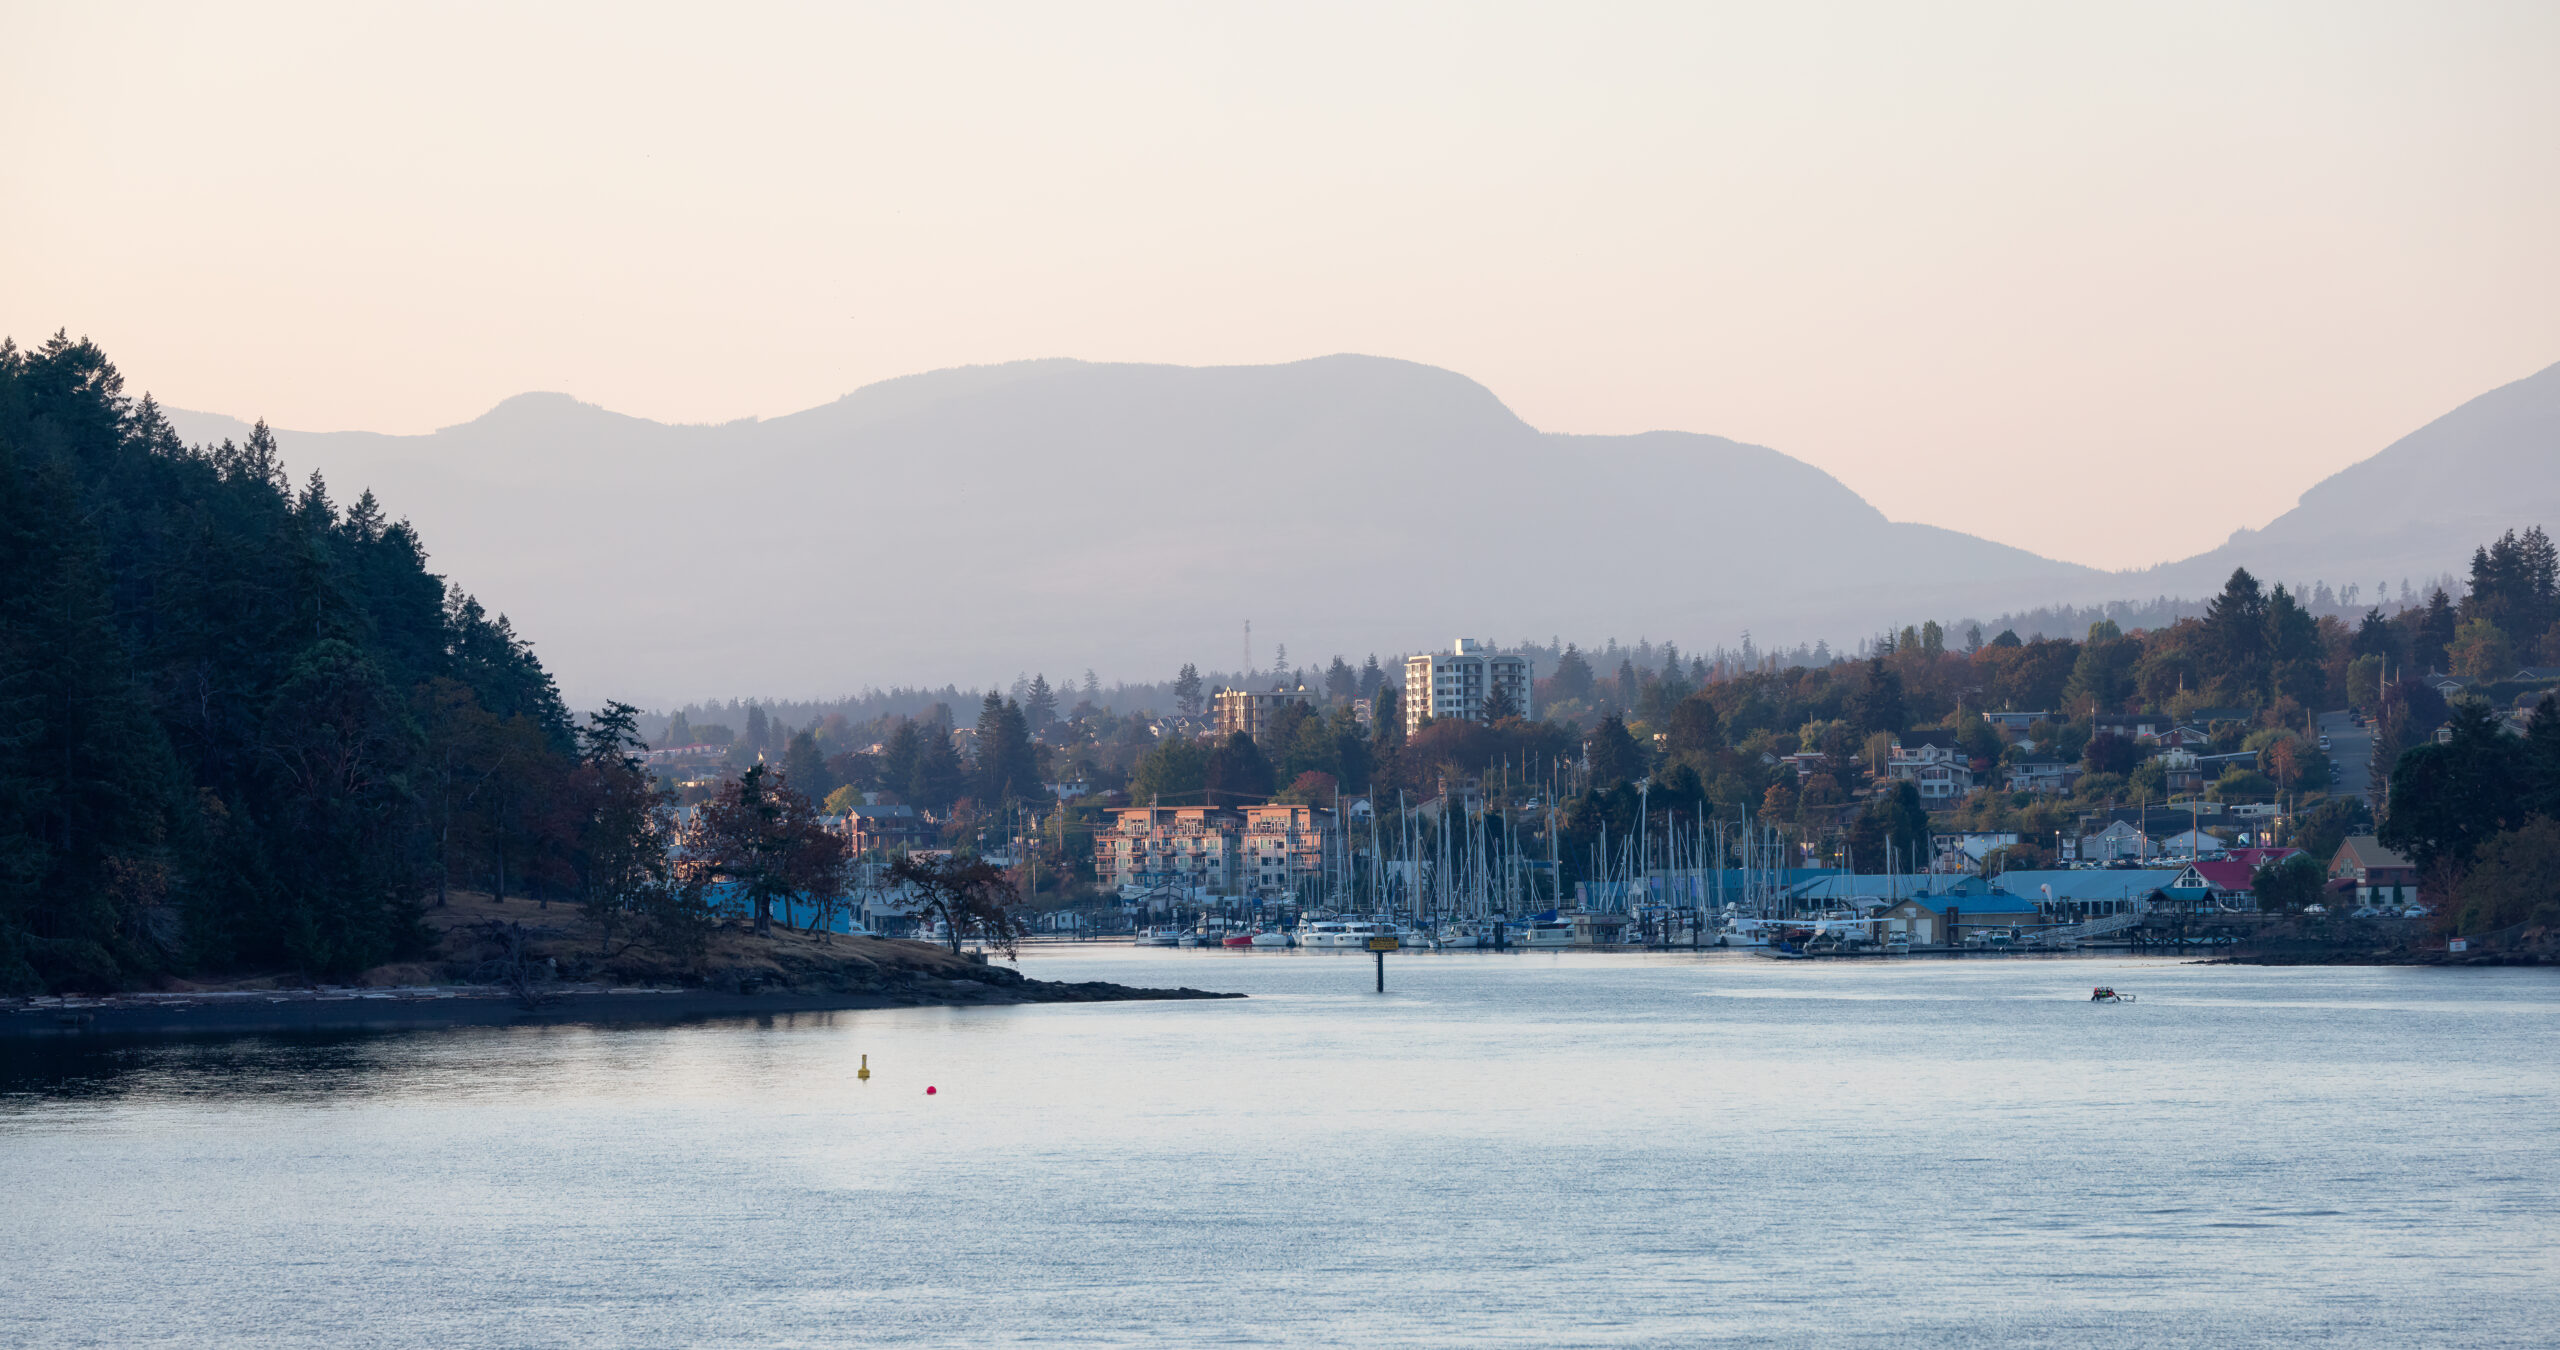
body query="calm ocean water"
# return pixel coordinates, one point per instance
(1517, 1150)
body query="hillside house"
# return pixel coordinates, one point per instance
(2038, 773)
(1940, 772)
(2376, 875)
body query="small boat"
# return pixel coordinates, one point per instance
(2103, 994)
(1162, 935)
(1274, 938)
(1237, 940)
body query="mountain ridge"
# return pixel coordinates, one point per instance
(1344, 503)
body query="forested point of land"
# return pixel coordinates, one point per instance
(241, 725)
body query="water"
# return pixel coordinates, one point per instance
(1529, 1150)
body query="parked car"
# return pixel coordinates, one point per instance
(2315, 909)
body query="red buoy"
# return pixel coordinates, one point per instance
(928, 1092)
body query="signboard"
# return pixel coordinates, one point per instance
(1383, 944)
(2458, 945)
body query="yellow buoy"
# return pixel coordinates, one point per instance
(864, 1073)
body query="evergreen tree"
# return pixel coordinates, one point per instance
(2446, 799)
(1341, 682)
(1371, 677)
(1186, 690)
(1008, 768)
(1238, 773)
(1613, 754)
(1573, 678)
(1040, 703)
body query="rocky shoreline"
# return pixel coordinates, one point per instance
(353, 1008)
(507, 963)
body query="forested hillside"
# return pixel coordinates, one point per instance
(240, 725)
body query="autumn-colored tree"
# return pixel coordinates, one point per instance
(764, 838)
(973, 900)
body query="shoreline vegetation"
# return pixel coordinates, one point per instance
(517, 962)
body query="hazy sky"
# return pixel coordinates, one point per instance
(2105, 282)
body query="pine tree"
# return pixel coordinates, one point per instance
(1039, 703)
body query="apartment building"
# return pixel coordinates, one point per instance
(1191, 849)
(1250, 711)
(1456, 683)
(1275, 852)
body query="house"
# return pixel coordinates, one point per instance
(1964, 852)
(1807, 763)
(2446, 685)
(2260, 857)
(2120, 839)
(2379, 876)
(1940, 772)
(2181, 769)
(2536, 675)
(881, 831)
(2209, 884)
(2191, 843)
(2133, 726)
(2015, 724)
(2037, 773)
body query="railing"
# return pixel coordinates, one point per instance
(2113, 923)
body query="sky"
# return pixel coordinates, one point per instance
(1988, 264)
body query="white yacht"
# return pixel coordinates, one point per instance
(1162, 935)
(1275, 937)
(1546, 933)
(1343, 934)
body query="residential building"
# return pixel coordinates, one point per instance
(884, 831)
(1287, 850)
(1938, 771)
(1250, 711)
(2209, 884)
(2038, 773)
(1274, 852)
(2133, 726)
(1456, 683)
(2378, 875)
(2181, 769)
(2015, 724)
(1189, 850)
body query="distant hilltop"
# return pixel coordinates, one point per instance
(965, 523)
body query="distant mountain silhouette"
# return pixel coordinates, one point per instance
(968, 524)
(2413, 511)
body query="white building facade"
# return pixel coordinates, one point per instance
(1456, 683)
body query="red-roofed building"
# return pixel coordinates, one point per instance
(2216, 883)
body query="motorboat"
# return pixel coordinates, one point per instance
(1237, 940)
(1547, 932)
(1162, 935)
(1276, 937)
(1343, 934)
